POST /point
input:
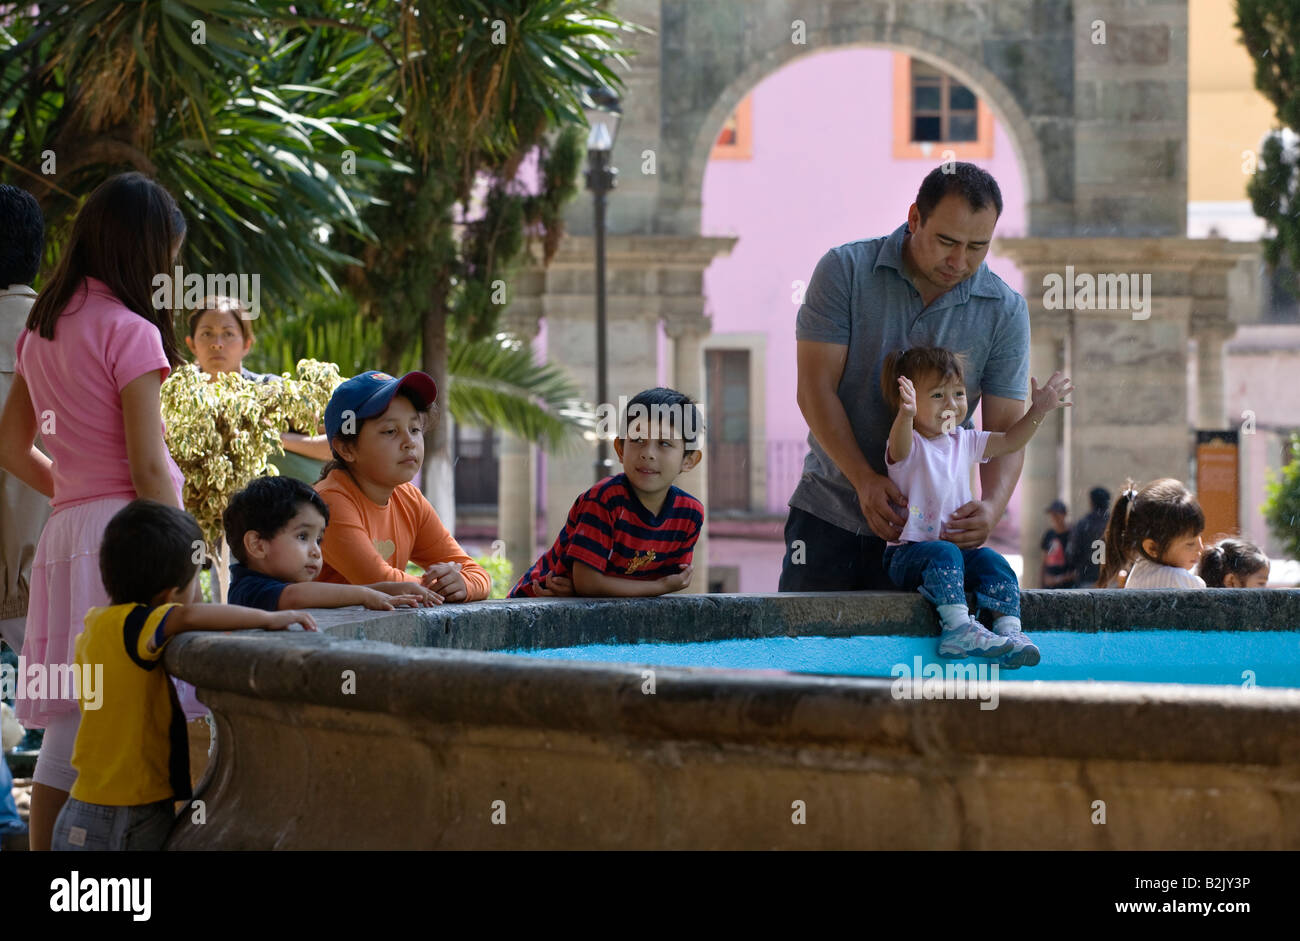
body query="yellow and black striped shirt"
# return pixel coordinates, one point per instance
(132, 746)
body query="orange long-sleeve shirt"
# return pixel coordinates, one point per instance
(366, 543)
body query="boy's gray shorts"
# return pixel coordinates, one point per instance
(83, 826)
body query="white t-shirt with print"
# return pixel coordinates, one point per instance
(1147, 574)
(935, 478)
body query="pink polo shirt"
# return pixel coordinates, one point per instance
(76, 383)
(936, 479)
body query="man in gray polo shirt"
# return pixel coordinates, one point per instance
(924, 285)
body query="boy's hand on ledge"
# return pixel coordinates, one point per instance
(555, 586)
(280, 620)
(397, 590)
(409, 601)
(382, 601)
(446, 580)
(678, 581)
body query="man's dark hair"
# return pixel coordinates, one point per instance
(148, 547)
(24, 227)
(1099, 497)
(975, 185)
(265, 506)
(659, 405)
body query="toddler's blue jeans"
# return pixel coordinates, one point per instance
(944, 573)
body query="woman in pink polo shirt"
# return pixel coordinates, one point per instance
(89, 367)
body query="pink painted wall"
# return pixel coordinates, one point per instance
(822, 173)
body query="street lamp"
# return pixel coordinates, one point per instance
(603, 113)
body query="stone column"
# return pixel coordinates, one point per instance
(1040, 481)
(1210, 412)
(1129, 306)
(517, 459)
(688, 377)
(517, 502)
(1129, 165)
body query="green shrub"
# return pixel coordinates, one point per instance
(1282, 505)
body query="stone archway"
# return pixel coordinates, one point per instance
(937, 51)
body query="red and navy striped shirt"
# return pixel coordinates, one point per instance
(612, 531)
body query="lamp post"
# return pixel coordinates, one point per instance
(603, 114)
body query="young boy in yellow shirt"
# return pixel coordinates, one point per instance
(131, 752)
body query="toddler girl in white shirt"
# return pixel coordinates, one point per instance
(929, 457)
(1155, 533)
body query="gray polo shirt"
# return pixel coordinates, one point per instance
(859, 297)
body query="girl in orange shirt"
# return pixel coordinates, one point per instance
(379, 520)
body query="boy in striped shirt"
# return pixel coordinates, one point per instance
(631, 535)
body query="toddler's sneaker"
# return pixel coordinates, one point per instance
(973, 639)
(1023, 653)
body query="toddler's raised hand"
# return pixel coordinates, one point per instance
(907, 395)
(1051, 396)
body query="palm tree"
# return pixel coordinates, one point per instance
(377, 142)
(495, 382)
(246, 112)
(491, 86)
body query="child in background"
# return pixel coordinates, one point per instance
(631, 535)
(375, 425)
(274, 527)
(929, 457)
(1155, 534)
(89, 368)
(131, 754)
(1233, 563)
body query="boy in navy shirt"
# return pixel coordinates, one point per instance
(632, 534)
(274, 527)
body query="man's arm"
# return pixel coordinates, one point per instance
(970, 526)
(999, 476)
(312, 446)
(821, 366)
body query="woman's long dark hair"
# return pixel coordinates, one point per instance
(1163, 510)
(123, 235)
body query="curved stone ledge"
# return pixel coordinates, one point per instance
(416, 755)
(526, 624)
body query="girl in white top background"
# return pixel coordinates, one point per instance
(1233, 562)
(1155, 533)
